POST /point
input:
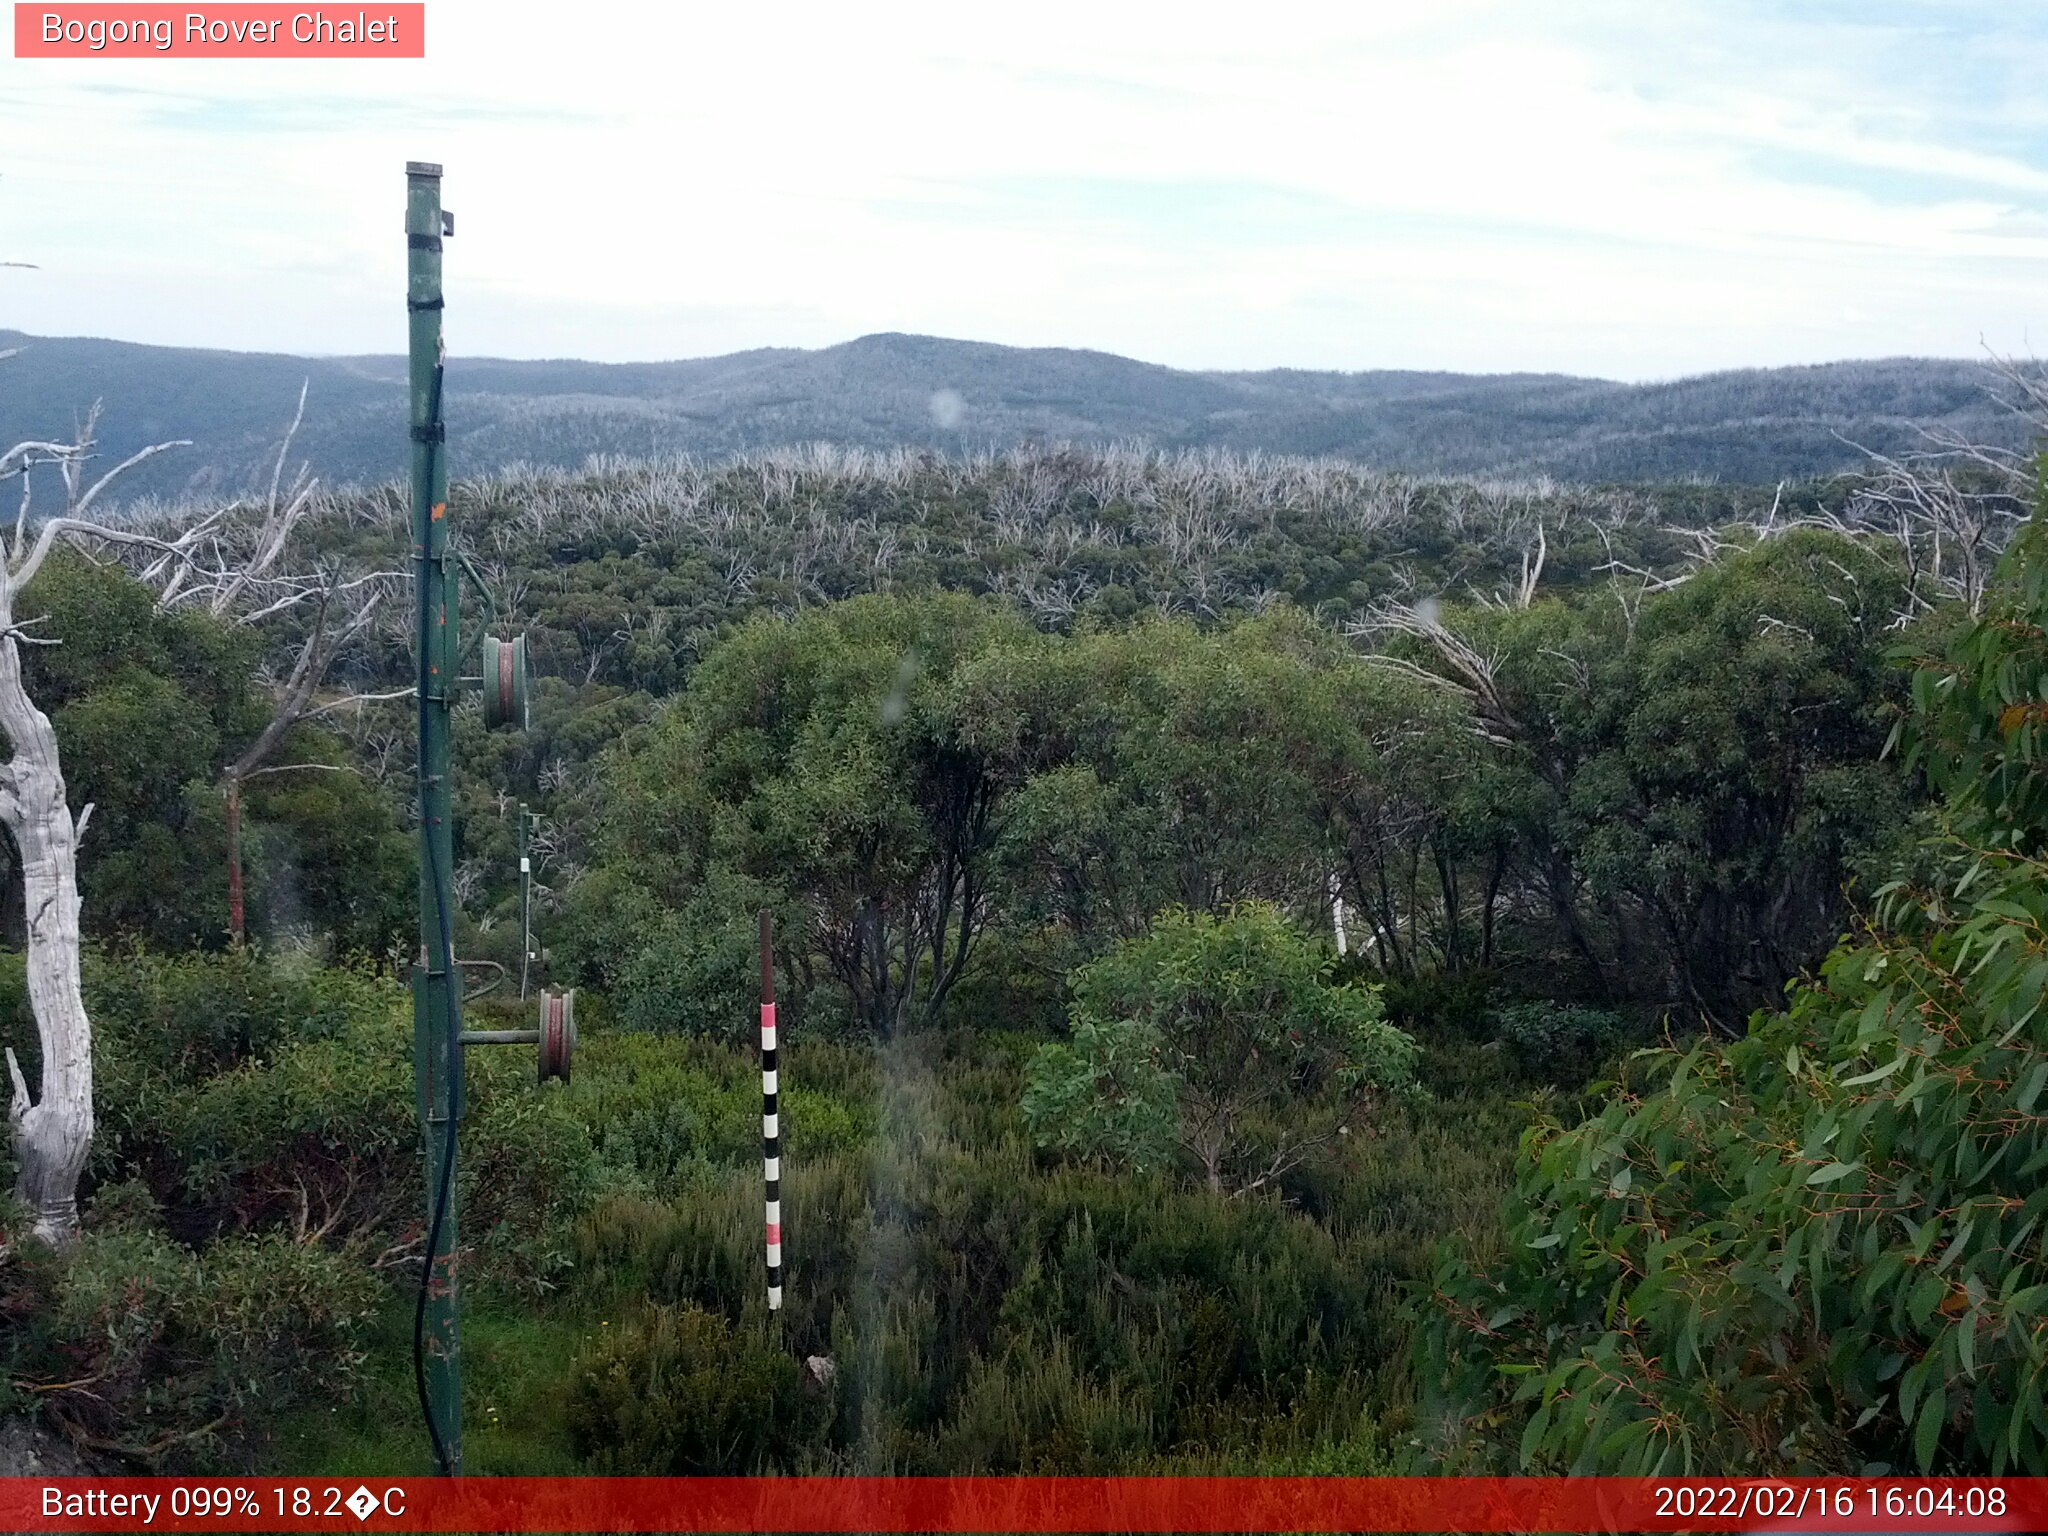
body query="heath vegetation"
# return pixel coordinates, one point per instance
(1283, 967)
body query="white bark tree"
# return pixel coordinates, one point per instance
(52, 1128)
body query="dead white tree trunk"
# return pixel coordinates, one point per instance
(52, 1133)
(52, 1128)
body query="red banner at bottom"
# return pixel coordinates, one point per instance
(1023, 1504)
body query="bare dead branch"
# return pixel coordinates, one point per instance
(80, 507)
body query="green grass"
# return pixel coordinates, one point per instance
(514, 1361)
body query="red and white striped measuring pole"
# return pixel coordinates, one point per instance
(771, 1125)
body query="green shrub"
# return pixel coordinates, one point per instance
(287, 1321)
(193, 1016)
(1014, 982)
(164, 1356)
(1431, 1002)
(116, 1297)
(128, 1205)
(1104, 1096)
(1560, 1042)
(528, 1169)
(705, 1247)
(1037, 1408)
(1812, 1250)
(679, 1391)
(987, 1312)
(167, 1028)
(165, 1025)
(324, 1139)
(1222, 1037)
(658, 1106)
(596, 929)
(326, 1125)
(697, 970)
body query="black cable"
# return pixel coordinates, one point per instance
(445, 934)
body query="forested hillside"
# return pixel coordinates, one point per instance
(1221, 903)
(881, 392)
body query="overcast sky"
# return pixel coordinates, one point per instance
(1636, 190)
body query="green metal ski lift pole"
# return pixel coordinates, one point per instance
(439, 1039)
(437, 984)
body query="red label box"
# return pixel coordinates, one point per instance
(1049, 1506)
(236, 31)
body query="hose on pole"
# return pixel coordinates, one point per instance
(439, 879)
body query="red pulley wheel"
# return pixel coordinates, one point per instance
(557, 1033)
(504, 682)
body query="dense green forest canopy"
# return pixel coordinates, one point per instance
(149, 707)
(1195, 876)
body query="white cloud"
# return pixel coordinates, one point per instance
(1596, 187)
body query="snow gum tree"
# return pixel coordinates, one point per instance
(52, 1128)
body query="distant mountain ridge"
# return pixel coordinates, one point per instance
(890, 390)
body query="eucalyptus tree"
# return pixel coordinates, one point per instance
(821, 757)
(1701, 764)
(1815, 1248)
